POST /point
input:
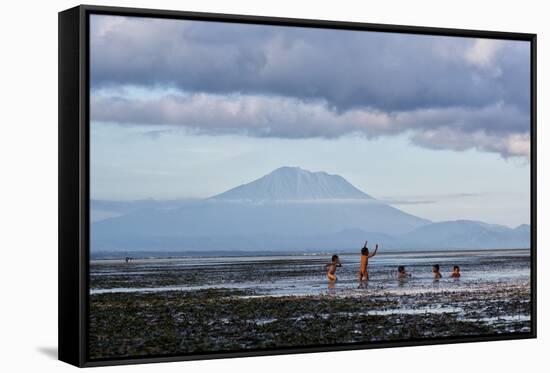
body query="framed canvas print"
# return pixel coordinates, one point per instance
(239, 185)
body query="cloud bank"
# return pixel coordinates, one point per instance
(219, 78)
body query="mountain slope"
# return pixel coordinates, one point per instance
(290, 209)
(465, 234)
(282, 207)
(294, 183)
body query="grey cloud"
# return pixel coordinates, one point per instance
(495, 128)
(408, 202)
(155, 134)
(510, 145)
(463, 195)
(347, 69)
(424, 200)
(443, 92)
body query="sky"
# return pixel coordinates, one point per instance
(437, 126)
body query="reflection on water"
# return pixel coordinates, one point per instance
(306, 275)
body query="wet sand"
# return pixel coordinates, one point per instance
(195, 305)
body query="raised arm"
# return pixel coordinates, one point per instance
(365, 244)
(374, 253)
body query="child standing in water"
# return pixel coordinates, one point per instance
(401, 273)
(331, 273)
(365, 255)
(456, 272)
(435, 270)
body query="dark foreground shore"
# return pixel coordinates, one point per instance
(182, 322)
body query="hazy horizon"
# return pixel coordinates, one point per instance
(405, 203)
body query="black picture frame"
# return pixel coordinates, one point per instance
(74, 172)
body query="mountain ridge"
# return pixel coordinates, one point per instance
(294, 183)
(290, 209)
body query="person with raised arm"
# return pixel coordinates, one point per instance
(365, 256)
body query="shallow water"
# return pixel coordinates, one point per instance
(197, 304)
(303, 275)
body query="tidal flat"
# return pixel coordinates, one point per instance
(201, 305)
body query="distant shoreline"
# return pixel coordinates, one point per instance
(110, 255)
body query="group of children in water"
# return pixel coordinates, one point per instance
(363, 267)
